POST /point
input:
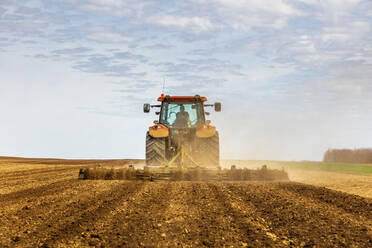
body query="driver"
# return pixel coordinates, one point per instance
(182, 118)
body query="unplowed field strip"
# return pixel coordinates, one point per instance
(61, 211)
(26, 173)
(349, 203)
(29, 180)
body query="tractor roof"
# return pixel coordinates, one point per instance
(168, 98)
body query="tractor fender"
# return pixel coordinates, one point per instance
(158, 131)
(205, 131)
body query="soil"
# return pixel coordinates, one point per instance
(358, 184)
(46, 206)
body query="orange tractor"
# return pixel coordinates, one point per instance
(182, 137)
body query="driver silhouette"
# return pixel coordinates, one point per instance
(182, 118)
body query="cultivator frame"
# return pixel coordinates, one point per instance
(173, 173)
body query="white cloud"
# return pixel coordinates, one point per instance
(102, 34)
(2, 10)
(334, 11)
(111, 7)
(187, 24)
(244, 15)
(333, 3)
(273, 6)
(110, 37)
(303, 44)
(364, 58)
(348, 32)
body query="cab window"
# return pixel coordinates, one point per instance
(181, 115)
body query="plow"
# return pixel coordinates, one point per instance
(182, 146)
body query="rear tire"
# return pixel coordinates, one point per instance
(153, 158)
(210, 150)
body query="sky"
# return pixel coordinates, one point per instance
(294, 77)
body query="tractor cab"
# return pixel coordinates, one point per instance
(182, 111)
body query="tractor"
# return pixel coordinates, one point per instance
(182, 137)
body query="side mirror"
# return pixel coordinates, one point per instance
(217, 107)
(146, 108)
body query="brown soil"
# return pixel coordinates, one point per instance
(346, 182)
(49, 207)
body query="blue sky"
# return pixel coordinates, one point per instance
(294, 77)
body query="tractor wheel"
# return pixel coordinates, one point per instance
(210, 150)
(155, 150)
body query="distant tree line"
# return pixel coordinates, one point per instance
(348, 155)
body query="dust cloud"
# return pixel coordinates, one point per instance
(274, 133)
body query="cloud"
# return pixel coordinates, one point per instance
(140, 84)
(332, 11)
(111, 7)
(200, 73)
(245, 15)
(159, 46)
(291, 34)
(4, 41)
(351, 31)
(2, 10)
(28, 23)
(129, 56)
(55, 57)
(364, 57)
(193, 24)
(120, 64)
(100, 66)
(27, 11)
(279, 32)
(70, 51)
(200, 66)
(21, 26)
(108, 35)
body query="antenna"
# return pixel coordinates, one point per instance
(162, 90)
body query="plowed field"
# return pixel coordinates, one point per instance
(43, 204)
